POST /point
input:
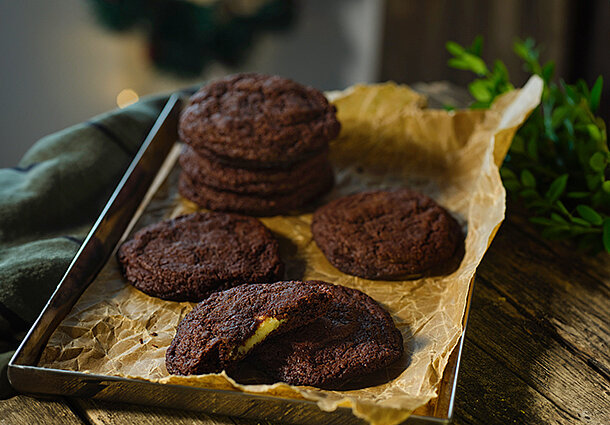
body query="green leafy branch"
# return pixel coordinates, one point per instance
(558, 163)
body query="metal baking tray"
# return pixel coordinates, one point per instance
(115, 219)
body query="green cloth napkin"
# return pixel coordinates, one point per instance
(49, 202)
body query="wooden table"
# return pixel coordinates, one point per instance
(536, 351)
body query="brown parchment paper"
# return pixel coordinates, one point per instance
(388, 139)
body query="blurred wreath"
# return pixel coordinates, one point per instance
(184, 36)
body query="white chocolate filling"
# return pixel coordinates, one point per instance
(268, 325)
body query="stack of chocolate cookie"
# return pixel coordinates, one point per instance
(256, 144)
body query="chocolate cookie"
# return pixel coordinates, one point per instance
(356, 336)
(390, 234)
(187, 258)
(221, 330)
(259, 120)
(203, 171)
(214, 199)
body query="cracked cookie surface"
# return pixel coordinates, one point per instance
(222, 329)
(189, 257)
(355, 337)
(386, 234)
(258, 120)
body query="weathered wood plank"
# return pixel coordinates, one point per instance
(566, 301)
(106, 413)
(529, 352)
(24, 410)
(597, 266)
(490, 394)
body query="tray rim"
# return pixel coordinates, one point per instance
(15, 368)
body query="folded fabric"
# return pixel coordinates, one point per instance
(49, 202)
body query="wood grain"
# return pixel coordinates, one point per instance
(596, 266)
(554, 291)
(105, 413)
(562, 378)
(489, 394)
(24, 410)
(536, 346)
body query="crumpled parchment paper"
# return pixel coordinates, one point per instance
(388, 139)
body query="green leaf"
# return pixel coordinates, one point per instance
(480, 91)
(532, 148)
(582, 88)
(606, 186)
(589, 214)
(578, 195)
(540, 205)
(500, 71)
(518, 144)
(594, 181)
(448, 107)
(521, 50)
(571, 95)
(528, 194)
(562, 208)
(512, 185)
(606, 235)
(598, 161)
(558, 219)
(477, 45)
(569, 127)
(475, 64)
(596, 93)
(556, 188)
(454, 48)
(594, 132)
(507, 173)
(558, 115)
(528, 179)
(527, 51)
(459, 63)
(547, 71)
(479, 105)
(580, 221)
